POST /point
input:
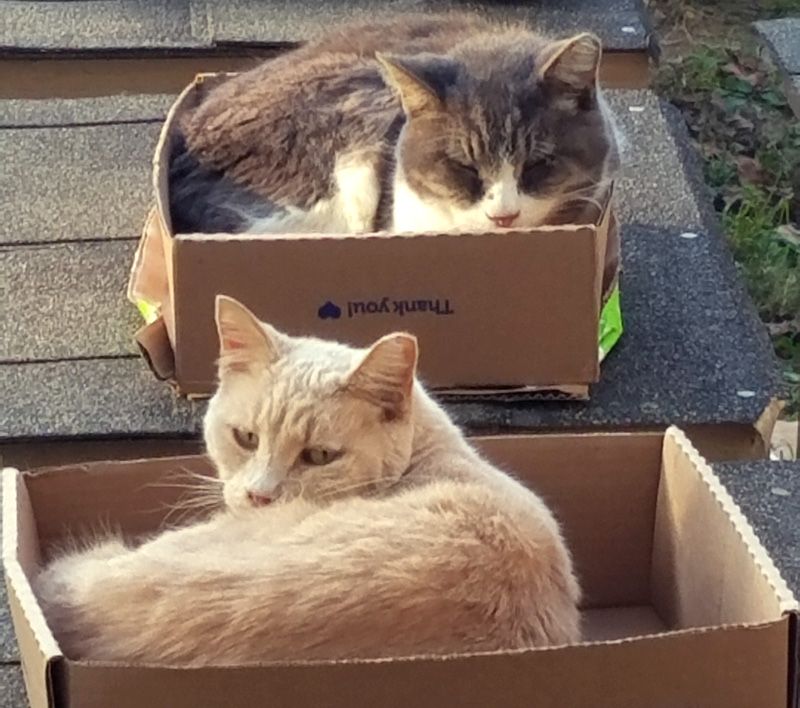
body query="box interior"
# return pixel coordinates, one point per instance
(641, 540)
(681, 600)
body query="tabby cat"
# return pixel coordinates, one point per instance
(455, 124)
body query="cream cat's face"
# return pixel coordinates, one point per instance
(305, 417)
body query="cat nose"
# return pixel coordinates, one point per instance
(257, 499)
(504, 220)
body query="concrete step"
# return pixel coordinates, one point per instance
(145, 26)
(694, 351)
(768, 493)
(50, 48)
(782, 38)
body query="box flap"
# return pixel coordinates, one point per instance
(148, 277)
(39, 651)
(794, 662)
(609, 229)
(692, 500)
(155, 347)
(150, 283)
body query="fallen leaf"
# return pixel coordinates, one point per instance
(750, 170)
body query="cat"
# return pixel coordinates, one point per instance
(357, 522)
(455, 124)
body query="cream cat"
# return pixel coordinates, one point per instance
(358, 522)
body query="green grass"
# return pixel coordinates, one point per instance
(768, 256)
(739, 118)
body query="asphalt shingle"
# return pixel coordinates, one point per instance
(116, 397)
(12, 688)
(54, 112)
(254, 22)
(75, 183)
(694, 350)
(769, 495)
(68, 301)
(783, 37)
(202, 25)
(101, 24)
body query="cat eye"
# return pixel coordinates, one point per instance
(319, 456)
(244, 439)
(468, 169)
(467, 178)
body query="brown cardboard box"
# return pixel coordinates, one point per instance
(683, 605)
(534, 295)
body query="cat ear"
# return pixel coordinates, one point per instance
(420, 80)
(386, 374)
(245, 343)
(573, 63)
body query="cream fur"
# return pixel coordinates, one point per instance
(409, 543)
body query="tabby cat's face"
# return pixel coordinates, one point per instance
(305, 417)
(507, 134)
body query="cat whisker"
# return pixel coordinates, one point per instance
(202, 495)
(591, 187)
(188, 480)
(179, 513)
(194, 502)
(580, 200)
(368, 485)
(182, 473)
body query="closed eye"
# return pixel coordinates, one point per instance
(468, 178)
(319, 456)
(535, 171)
(464, 167)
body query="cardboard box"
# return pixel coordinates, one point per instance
(534, 295)
(683, 606)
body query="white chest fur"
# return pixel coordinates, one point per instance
(351, 209)
(411, 213)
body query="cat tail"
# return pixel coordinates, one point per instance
(205, 200)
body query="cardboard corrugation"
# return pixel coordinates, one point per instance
(677, 439)
(39, 651)
(641, 649)
(545, 286)
(746, 581)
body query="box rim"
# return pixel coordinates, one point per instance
(763, 561)
(15, 574)
(514, 435)
(382, 235)
(440, 658)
